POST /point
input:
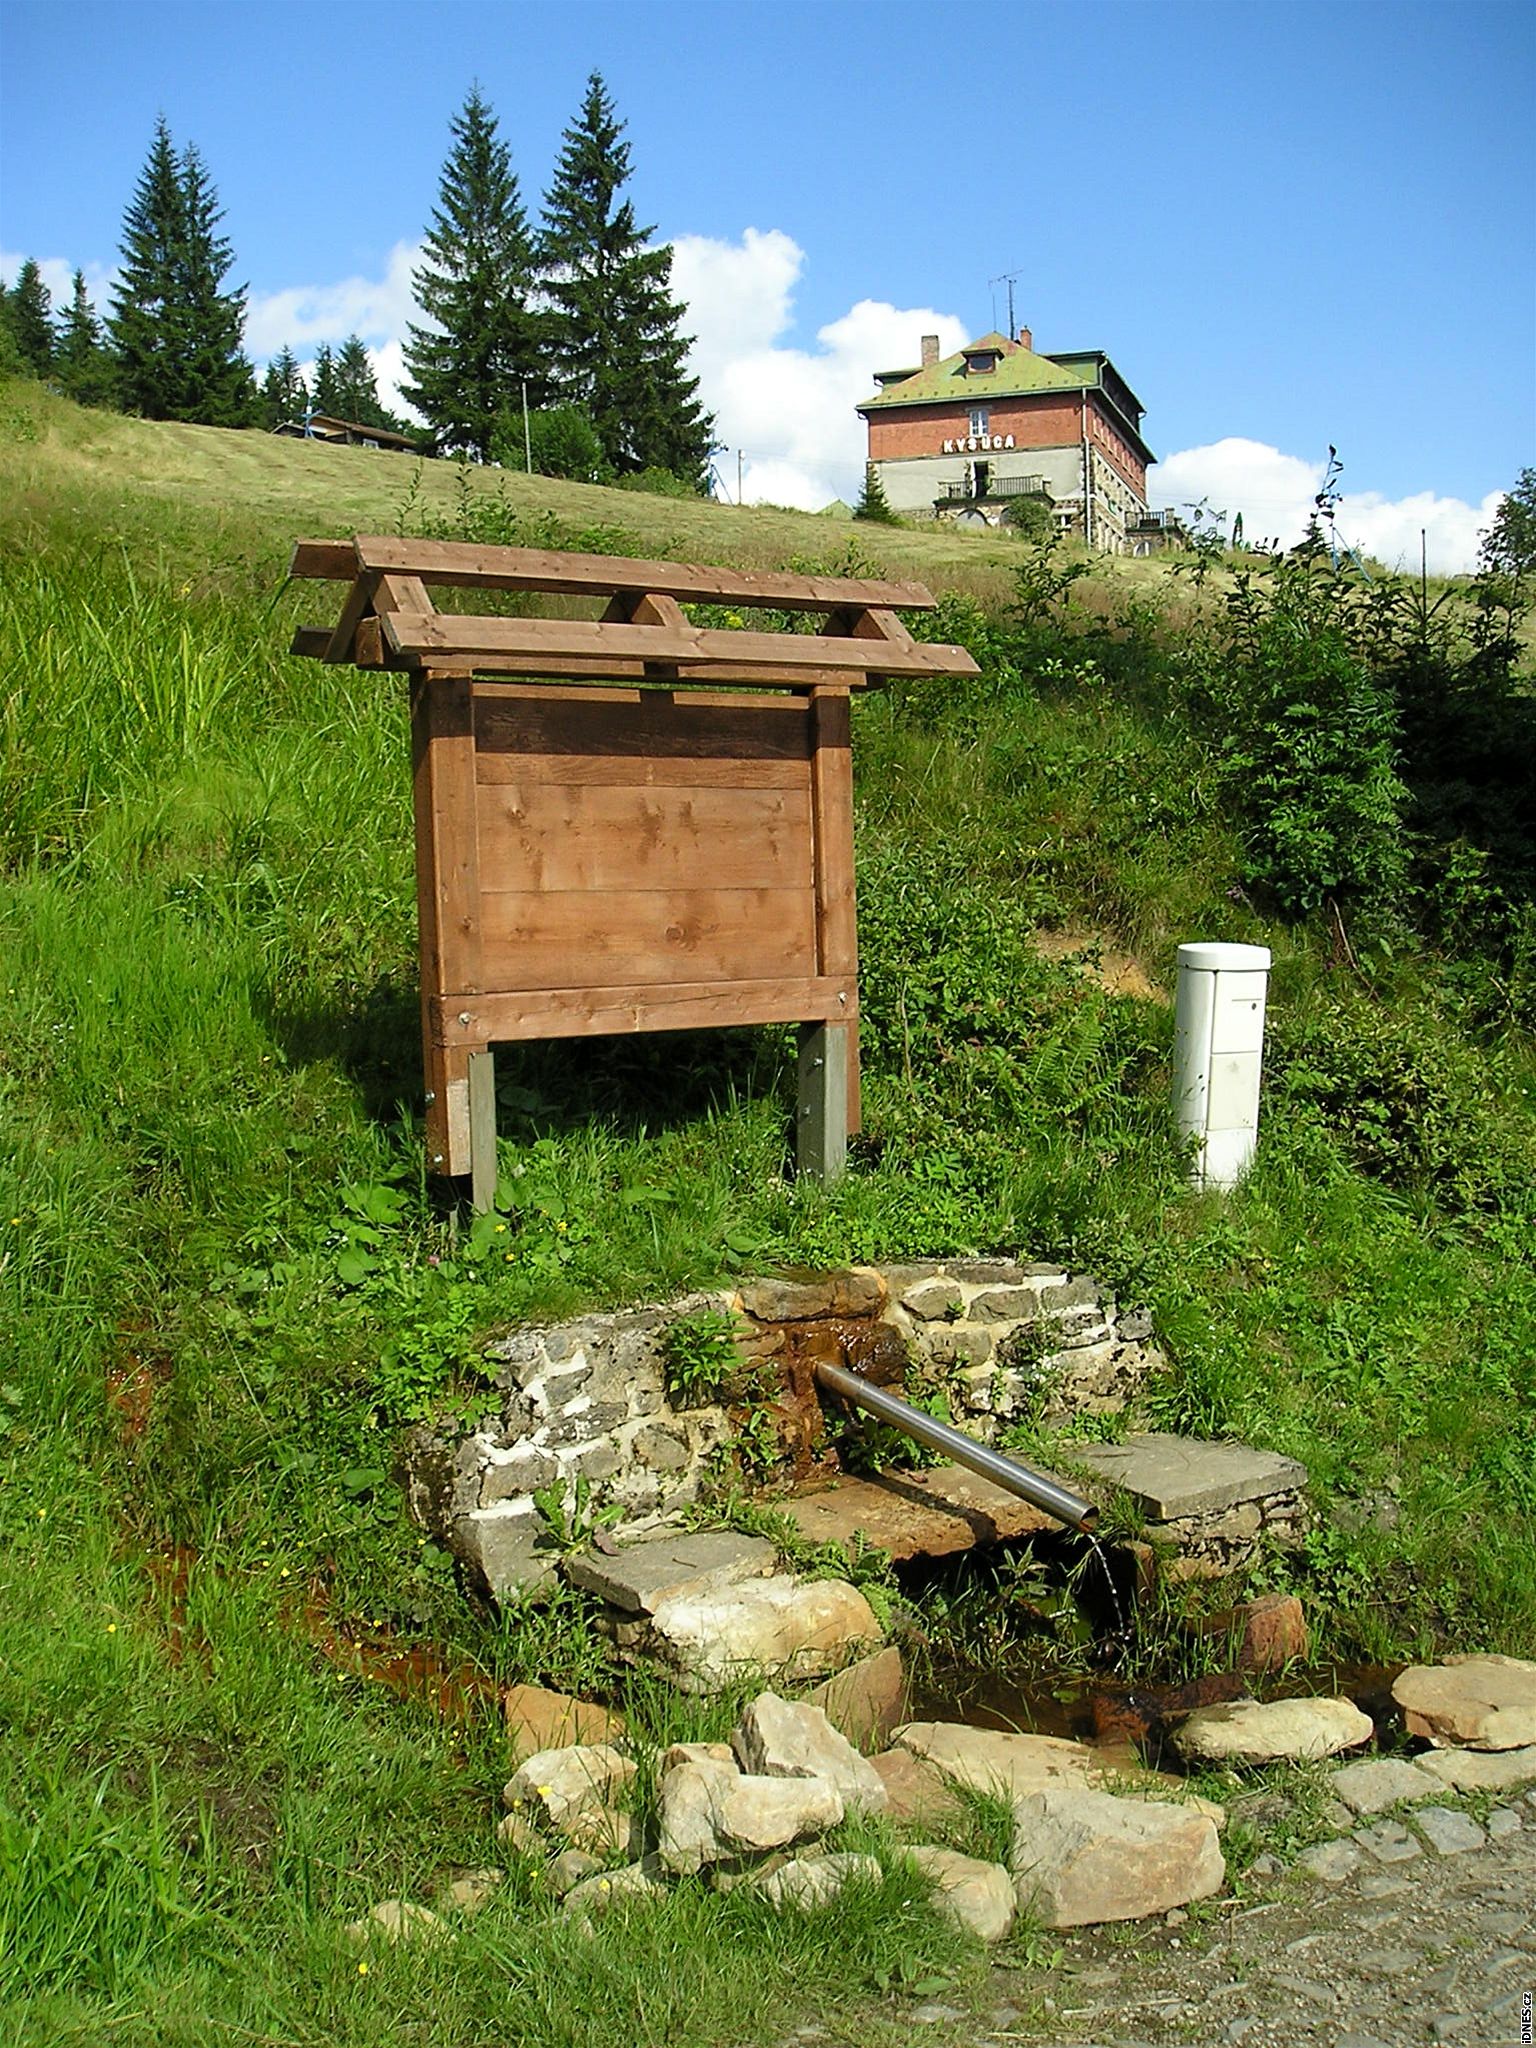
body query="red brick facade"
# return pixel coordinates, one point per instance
(1049, 420)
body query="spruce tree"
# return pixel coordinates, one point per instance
(81, 362)
(31, 311)
(873, 504)
(324, 387)
(175, 335)
(474, 285)
(615, 344)
(284, 395)
(357, 389)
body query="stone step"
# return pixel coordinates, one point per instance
(640, 1576)
(933, 1513)
(1176, 1477)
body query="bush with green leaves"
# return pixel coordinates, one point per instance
(1307, 741)
(561, 440)
(1416, 1103)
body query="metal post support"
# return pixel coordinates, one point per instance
(821, 1109)
(482, 1130)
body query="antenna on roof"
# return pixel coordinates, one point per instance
(1009, 278)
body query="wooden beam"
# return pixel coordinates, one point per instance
(357, 607)
(871, 623)
(837, 944)
(500, 643)
(333, 561)
(506, 1018)
(492, 568)
(482, 1130)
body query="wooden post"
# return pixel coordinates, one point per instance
(821, 1108)
(482, 1130)
(447, 901)
(837, 943)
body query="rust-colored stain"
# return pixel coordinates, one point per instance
(169, 1568)
(791, 1351)
(454, 1689)
(133, 1379)
(1134, 1712)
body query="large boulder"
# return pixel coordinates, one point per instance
(991, 1760)
(778, 1738)
(712, 1813)
(1470, 1702)
(538, 1719)
(1479, 1770)
(1082, 1857)
(776, 1628)
(1272, 1731)
(865, 1700)
(811, 1881)
(563, 1784)
(977, 1897)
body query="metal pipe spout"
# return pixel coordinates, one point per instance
(1008, 1473)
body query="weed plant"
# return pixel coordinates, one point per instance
(226, 1289)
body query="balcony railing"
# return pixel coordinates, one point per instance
(997, 487)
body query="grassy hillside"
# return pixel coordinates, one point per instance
(224, 1287)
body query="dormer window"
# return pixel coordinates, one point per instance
(978, 361)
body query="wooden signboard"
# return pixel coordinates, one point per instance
(628, 822)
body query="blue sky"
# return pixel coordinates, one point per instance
(1288, 225)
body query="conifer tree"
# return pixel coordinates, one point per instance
(31, 313)
(81, 362)
(357, 389)
(615, 347)
(873, 504)
(324, 388)
(284, 394)
(474, 287)
(12, 363)
(174, 333)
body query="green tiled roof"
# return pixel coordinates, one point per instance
(1018, 370)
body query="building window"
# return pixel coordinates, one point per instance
(979, 418)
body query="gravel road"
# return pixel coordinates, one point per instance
(1431, 1947)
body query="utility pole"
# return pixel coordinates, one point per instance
(738, 476)
(527, 431)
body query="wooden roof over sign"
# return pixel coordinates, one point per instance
(389, 621)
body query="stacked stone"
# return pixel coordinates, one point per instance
(1019, 1342)
(579, 1400)
(586, 1399)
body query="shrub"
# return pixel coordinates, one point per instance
(1306, 742)
(562, 440)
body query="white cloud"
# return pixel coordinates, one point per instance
(302, 316)
(1275, 492)
(788, 410)
(59, 276)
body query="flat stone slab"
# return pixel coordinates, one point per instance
(642, 1575)
(1176, 1476)
(1479, 1770)
(1380, 1782)
(1480, 1702)
(936, 1513)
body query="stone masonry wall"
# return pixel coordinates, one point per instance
(586, 1399)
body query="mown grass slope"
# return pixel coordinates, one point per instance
(224, 1286)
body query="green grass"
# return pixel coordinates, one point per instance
(211, 1191)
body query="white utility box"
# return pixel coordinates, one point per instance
(1218, 1051)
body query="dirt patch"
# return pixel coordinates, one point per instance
(1100, 960)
